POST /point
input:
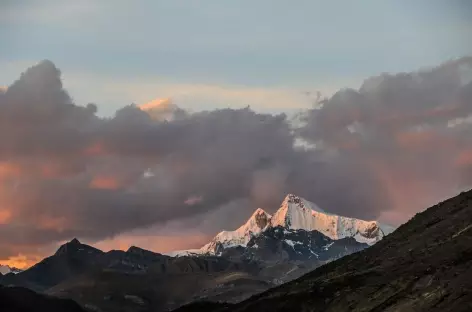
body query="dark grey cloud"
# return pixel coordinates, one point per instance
(383, 150)
(66, 172)
(399, 130)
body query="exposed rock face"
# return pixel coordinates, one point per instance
(277, 244)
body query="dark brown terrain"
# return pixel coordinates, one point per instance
(18, 299)
(425, 265)
(141, 280)
(137, 279)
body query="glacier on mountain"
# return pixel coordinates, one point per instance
(295, 213)
(299, 214)
(257, 223)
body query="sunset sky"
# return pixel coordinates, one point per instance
(188, 160)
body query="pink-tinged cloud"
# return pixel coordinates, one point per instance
(382, 150)
(156, 243)
(105, 183)
(22, 261)
(162, 110)
(155, 104)
(192, 200)
(5, 216)
(464, 158)
(95, 149)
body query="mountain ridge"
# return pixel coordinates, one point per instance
(260, 254)
(295, 213)
(6, 269)
(424, 266)
(258, 221)
(257, 256)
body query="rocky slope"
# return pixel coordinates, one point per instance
(425, 265)
(141, 280)
(137, 279)
(278, 244)
(74, 258)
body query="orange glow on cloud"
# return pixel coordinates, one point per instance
(401, 195)
(154, 104)
(96, 149)
(422, 139)
(21, 261)
(405, 191)
(44, 169)
(5, 216)
(464, 158)
(9, 169)
(51, 171)
(156, 243)
(105, 183)
(412, 139)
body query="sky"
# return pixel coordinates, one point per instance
(266, 53)
(189, 158)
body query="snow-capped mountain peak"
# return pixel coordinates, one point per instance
(295, 213)
(297, 202)
(5, 269)
(299, 214)
(240, 237)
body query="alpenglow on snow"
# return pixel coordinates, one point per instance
(296, 213)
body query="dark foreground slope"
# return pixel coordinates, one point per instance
(425, 265)
(18, 299)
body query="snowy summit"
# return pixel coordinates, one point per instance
(257, 223)
(295, 213)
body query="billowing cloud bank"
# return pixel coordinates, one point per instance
(387, 150)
